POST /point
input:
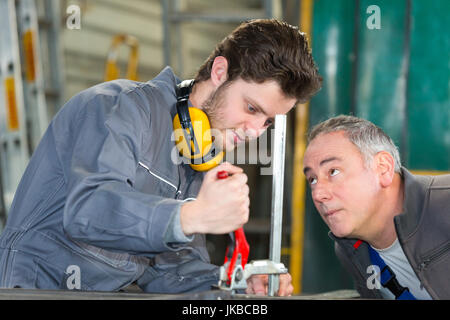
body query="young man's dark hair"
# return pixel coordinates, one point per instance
(268, 49)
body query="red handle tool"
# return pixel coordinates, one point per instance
(238, 247)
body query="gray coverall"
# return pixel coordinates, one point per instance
(100, 199)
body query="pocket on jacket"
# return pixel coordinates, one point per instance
(435, 268)
(114, 259)
(188, 276)
(150, 181)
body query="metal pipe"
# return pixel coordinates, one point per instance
(298, 181)
(406, 61)
(166, 32)
(278, 159)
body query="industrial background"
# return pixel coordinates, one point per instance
(390, 65)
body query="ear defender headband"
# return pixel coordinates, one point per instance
(193, 132)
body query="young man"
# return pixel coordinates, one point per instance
(375, 208)
(102, 204)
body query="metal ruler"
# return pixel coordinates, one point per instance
(278, 159)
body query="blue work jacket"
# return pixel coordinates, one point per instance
(98, 207)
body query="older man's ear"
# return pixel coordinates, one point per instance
(385, 167)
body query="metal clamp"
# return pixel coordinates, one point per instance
(240, 275)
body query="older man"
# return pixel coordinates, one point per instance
(384, 220)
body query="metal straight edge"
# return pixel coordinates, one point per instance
(166, 32)
(55, 90)
(278, 160)
(34, 91)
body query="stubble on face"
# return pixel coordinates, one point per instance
(214, 109)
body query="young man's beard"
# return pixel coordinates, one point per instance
(213, 107)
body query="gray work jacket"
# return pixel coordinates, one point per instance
(423, 230)
(98, 205)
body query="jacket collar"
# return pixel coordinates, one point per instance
(166, 80)
(356, 251)
(415, 193)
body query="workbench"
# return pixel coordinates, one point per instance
(134, 294)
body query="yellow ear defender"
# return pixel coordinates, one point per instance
(192, 130)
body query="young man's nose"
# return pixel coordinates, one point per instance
(253, 129)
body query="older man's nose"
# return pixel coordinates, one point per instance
(321, 192)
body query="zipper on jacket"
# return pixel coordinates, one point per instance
(430, 258)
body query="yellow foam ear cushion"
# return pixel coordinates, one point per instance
(209, 164)
(202, 132)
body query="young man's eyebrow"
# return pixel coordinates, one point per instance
(324, 161)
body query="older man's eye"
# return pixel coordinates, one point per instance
(251, 108)
(312, 181)
(334, 172)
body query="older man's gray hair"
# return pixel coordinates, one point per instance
(365, 135)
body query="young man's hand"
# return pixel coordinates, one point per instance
(222, 205)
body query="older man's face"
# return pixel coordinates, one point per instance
(344, 190)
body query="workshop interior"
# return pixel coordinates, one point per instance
(385, 61)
